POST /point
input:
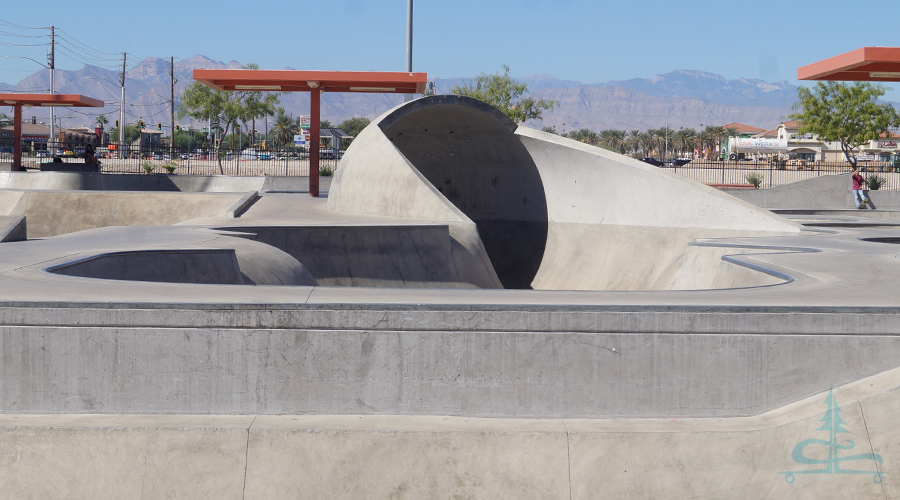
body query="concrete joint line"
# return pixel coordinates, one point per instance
(568, 457)
(862, 413)
(247, 458)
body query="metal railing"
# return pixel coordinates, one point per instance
(778, 173)
(155, 159)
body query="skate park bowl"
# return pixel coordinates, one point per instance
(378, 356)
(552, 213)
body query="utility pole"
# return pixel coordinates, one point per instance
(409, 42)
(122, 109)
(52, 61)
(172, 102)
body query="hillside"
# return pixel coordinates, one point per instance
(687, 98)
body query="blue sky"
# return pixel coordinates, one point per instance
(588, 41)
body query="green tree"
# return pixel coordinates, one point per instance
(324, 124)
(353, 126)
(614, 140)
(132, 133)
(504, 93)
(5, 121)
(284, 128)
(585, 135)
(848, 114)
(229, 107)
(188, 139)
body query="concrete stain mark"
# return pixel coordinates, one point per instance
(834, 425)
(247, 458)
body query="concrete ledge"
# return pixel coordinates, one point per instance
(242, 205)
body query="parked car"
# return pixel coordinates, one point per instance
(679, 162)
(652, 161)
(42, 154)
(6, 150)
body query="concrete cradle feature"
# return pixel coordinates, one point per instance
(552, 213)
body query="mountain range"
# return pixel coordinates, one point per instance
(683, 98)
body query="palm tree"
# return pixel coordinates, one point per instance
(613, 139)
(634, 141)
(685, 139)
(283, 128)
(585, 135)
(667, 136)
(647, 141)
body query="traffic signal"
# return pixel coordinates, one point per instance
(159, 126)
(117, 123)
(178, 128)
(141, 124)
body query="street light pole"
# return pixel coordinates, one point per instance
(52, 62)
(409, 42)
(122, 109)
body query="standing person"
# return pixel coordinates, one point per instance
(859, 194)
(90, 159)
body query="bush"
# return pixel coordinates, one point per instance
(148, 166)
(755, 179)
(170, 166)
(875, 182)
(326, 170)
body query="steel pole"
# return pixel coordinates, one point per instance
(409, 43)
(314, 113)
(52, 88)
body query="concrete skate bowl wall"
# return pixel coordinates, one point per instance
(619, 224)
(75, 181)
(220, 261)
(553, 213)
(210, 267)
(400, 256)
(51, 213)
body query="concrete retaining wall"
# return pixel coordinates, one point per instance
(459, 361)
(826, 192)
(350, 457)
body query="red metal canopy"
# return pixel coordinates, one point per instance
(19, 100)
(384, 82)
(868, 64)
(306, 81)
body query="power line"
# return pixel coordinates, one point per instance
(19, 26)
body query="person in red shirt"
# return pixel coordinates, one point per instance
(859, 194)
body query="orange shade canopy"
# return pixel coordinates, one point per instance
(306, 81)
(868, 64)
(65, 100)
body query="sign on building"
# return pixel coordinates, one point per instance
(300, 140)
(305, 122)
